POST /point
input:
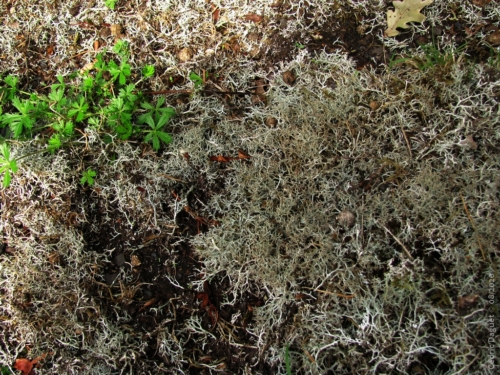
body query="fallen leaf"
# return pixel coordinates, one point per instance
(205, 301)
(469, 142)
(50, 51)
(215, 13)
(220, 159)
(116, 30)
(494, 38)
(135, 261)
(87, 67)
(24, 365)
(96, 45)
(151, 302)
(289, 77)
(481, 3)
(405, 11)
(243, 155)
(467, 302)
(253, 17)
(185, 55)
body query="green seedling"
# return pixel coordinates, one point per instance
(154, 111)
(7, 164)
(156, 134)
(78, 109)
(299, 45)
(22, 120)
(129, 93)
(121, 48)
(148, 71)
(287, 360)
(88, 177)
(119, 116)
(10, 91)
(196, 79)
(119, 72)
(110, 4)
(63, 130)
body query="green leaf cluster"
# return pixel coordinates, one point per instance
(102, 96)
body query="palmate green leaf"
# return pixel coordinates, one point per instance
(5, 151)
(156, 143)
(88, 177)
(148, 71)
(54, 143)
(165, 137)
(56, 95)
(13, 166)
(8, 165)
(169, 112)
(6, 179)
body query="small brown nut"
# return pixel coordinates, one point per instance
(374, 105)
(347, 218)
(116, 29)
(289, 77)
(271, 122)
(185, 55)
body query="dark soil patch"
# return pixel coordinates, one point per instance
(149, 275)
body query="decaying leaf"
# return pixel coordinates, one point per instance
(254, 17)
(26, 366)
(405, 11)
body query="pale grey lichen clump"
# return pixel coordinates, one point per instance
(412, 155)
(280, 227)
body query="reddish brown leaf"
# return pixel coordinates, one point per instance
(243, 155)
(151, 302)
(212, 313)
(220, 159)
(215, 13)
(467, 302)
(96, 45)
(205, 301)
(50, 51)
(253, 17)
(24, 365)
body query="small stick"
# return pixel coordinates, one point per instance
(348, 296)
(191, 91)
(407, 142)
(399, 242)
(473, 226)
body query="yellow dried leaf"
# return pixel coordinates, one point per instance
(405, 11)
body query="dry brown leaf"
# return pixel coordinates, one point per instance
(50, 51)
(494, 38)
(24, 365)
(221, 158)
(253, 17)
(405, 11)
(135, 261)
(481, 3)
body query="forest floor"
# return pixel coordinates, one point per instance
(329, 201)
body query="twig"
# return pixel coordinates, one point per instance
(399, 242)
(191, 91)
(473, 226)
(407, 142)
(348, 296)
